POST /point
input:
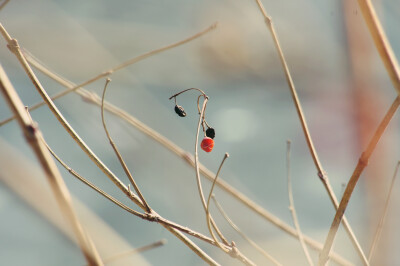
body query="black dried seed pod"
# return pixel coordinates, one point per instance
(210, 132)
(180, 111)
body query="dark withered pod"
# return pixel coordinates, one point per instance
(210, 132)
(180, 111)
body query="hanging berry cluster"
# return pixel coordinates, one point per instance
(207, 144)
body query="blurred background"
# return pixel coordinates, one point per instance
(342, 84)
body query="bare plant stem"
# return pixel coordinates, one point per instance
(114, 69)
(135, 251)
(240, 232)
(382, 220)
(321, 173)
(292, 208)
(95, 99)
(33, 136)
(118, 154)
(208, 217)
(392, 67)
(14, 47)
(5, 2)
(362, 163)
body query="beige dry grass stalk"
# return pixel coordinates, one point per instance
(320, 171)
(33, 136)
(292, 208)
(175, 149)
(392, 67)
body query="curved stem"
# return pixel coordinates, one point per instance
(120, 159)
(320, 171)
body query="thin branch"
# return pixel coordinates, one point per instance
(114, 69)
(382, 220)
(362, 163)
(208, 216)
(240, 232)
(151, 246)
(5, 2)
(119, 156)
(33, 136)
(91, 97)
(392, 67)
(14, 47)
(153, 217)
(292, 208)
(94, 187)
(320, 171)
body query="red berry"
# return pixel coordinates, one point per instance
(207, 144)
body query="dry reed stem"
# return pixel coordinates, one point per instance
(208, 216)
(321, 173)
(14, 47)
(33, 136)
(118, 154)
(292, 208)
(382, 220)
(392, 67)
(95, 99)
(118, 67)
(151, 246)
(362, 163)
(232, 251)
(5, 2)
(240, 232)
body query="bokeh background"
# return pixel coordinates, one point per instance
(340, 79)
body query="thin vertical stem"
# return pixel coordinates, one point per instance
(33, 136)
(382, 220)
(293, 210)
(320, 171)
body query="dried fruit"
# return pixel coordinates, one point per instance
(207, 144)
(180, 111)
(210, 132)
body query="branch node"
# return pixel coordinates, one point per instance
(234, 252)
(364, 160)
(13, 46)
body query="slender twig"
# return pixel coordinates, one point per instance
(292, 208)
(382, 220)
(33, 136)
(208, 217)
(92, 186)
(135, 251)
(4, 4)
(14, 47)
(234, 251)
(175, 149)
(320, 171)
(240, 232)
(381, 42)
(362, 163)
(116, 68)
(392, 67)
(119, 156)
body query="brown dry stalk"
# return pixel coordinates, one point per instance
(33, 136)
(135, 251)
(14, 47)
(292, 208)
(95, 99)
(392, 67)
(240, 232)
(382, 220)
(118, 154)
(116, 68)
(320, 171)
